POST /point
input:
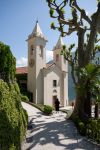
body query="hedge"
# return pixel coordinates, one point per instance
(24, 98)
(90, 128)
(13, 119)
(47, 109)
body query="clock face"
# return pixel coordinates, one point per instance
(31, 62)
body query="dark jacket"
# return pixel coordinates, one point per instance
(57, 105)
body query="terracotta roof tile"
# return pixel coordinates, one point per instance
(24, 70)
(49, 64)
(21, 70)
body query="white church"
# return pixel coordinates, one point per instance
(46, 81)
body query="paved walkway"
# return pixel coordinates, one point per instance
(52, 133)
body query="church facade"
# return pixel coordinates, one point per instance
(46, 81)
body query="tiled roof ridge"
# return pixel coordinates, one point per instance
(21, 70)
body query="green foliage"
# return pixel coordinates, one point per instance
(64, 47)
(71, 47)
(82, 128)
(90, 81)
(21, 77)
(51, 12)
(48, 109)
(7, 63)
(44, 108)
(66, 52)
(63, 51)
(38, 106)
(63, 11)
(80, 125)
(23, 89)
(13, 119)
(52, 25)
(24, 98)
(98, 1)
(26, 93)
(76, 120)
(93, 130)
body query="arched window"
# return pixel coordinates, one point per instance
(41, 50)
(54, 91)
(54, 83)
(31, 50)
(57, 57)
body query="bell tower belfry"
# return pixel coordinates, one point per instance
(58, 58)
(36, 62)
(63, 65)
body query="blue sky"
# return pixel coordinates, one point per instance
(18, 18)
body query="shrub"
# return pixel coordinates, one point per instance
(90, 128)
(24, 98)
(48, 109)
(82, 128)
(13, 119)
(26, 93)
(76, 121)
(93, 129)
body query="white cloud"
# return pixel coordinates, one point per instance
(87, 13)
(49, 55)
(21, 62)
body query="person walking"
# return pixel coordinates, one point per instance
(57, 105)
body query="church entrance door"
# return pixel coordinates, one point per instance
(53, 101)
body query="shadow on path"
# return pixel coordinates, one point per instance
(55, 133)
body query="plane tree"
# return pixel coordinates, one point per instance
(87, 29)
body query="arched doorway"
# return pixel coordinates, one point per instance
(54, 97)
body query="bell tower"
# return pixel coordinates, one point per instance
(36, 61)
(63, 66)
(58, 58)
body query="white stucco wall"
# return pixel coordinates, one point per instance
(31, 77)
(62, 63)
(40, 64)
(54, 73)
(65, 84)
(35, 76)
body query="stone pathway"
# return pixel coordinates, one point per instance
(53, 133)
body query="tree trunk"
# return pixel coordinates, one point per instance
(81, 34)
(83, 103)
(79, 103)
(87, 104)
(82, 107)
(96, 111)
(79, 106)
(87, 108)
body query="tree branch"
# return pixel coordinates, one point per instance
(73, 75)
(82, 11)
(62, 5)
(93, 33)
